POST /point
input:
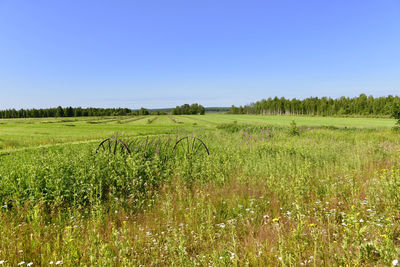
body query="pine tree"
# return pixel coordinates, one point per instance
(59, 112)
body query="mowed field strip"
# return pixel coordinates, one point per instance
(16, 133)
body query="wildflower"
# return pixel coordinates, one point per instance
(232, 255)
(275, 219)
(311, 224)
(59, 262)
(2, 261)
(222, 225)
(21, 263)
(30, 264)
(231, 221)
(395, 262)
(51, 262)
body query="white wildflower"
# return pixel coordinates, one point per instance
(222, 225)
(395, 262)
(21, 263)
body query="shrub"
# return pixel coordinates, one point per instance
(294, 130)
(396, 112)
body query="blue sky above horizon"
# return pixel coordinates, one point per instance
(217, 53)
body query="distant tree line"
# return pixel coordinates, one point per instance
(362, 105)
(187, 109)
(70, 112)
(217, 109)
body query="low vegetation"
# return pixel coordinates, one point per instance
(268, 194)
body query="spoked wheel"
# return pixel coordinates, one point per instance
(114, 146)
(190, 147)
(139, 144)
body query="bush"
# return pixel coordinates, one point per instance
(294, 130)
(396, 112)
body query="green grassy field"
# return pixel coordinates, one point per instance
(324, 193)
(20, 133)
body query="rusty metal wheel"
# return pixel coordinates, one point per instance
(190, 146)
(114, 146)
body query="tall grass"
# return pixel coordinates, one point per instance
(262, 197)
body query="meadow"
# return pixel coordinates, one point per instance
(322, 192)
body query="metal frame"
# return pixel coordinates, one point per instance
(191, 145)
(112, 148)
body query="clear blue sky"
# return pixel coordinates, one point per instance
(219, 52)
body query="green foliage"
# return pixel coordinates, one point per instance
(396, 112)
(65, 178)
(249, 129)
(66, 112)
(143, 111)
(59, 112)
(294, 130)
(361, 106)
(151, 120)
(187, 109)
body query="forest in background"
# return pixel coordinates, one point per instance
(362, 105)
(85, 112)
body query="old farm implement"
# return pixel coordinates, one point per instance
(188, 146)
